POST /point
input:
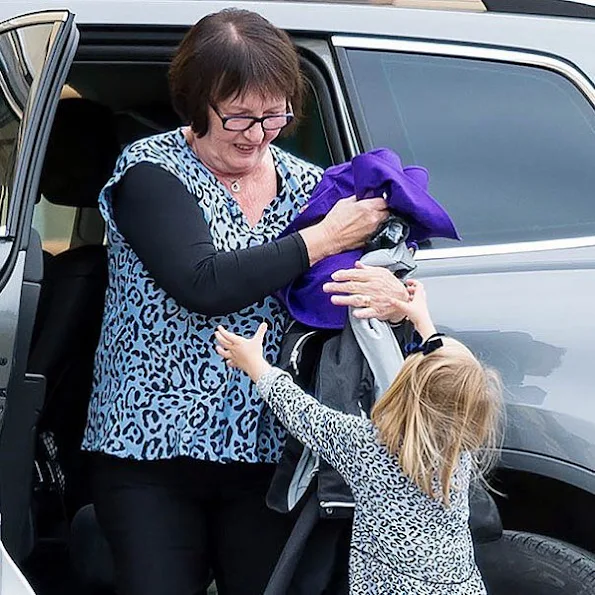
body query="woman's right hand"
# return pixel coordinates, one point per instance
(346, 226)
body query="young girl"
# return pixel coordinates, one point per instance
(409, 467)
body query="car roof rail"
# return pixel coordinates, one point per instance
(557, 8)
(554, 8)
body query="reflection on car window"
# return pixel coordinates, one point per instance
(55, 224)
(22, 54)
(510, 148)
(9, 129)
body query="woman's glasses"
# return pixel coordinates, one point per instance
(242, 123)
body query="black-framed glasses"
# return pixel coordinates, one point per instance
(243, 123)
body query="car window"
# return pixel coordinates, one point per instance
(308, 141)
(9, 128)
(55, 224)
(510, 148)
(22, 55)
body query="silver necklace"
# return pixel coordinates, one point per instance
(234, 185)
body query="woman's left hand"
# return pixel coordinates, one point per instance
(373, 292)
(243, 353)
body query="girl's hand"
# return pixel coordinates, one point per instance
(417, 309)
(243, 353)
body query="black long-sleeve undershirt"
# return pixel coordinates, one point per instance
(166, 228)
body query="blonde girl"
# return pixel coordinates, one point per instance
(409, 467)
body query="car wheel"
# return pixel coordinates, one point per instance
(528, 564)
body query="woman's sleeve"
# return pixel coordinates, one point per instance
(337, 437)
(166, 229)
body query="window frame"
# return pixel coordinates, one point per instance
(560, 66)
(156, 44)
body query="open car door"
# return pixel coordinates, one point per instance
(36, 51)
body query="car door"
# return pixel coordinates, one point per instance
(508, 137)
(36, 51)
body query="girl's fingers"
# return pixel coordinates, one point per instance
(222, 340)
(227, 335)
(261, 331)
(226, 353)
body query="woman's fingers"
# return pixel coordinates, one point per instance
(343, 275)
(378, 204)
(365, 313)
(356, 301)
(345, 287)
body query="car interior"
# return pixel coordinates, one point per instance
(103, 107)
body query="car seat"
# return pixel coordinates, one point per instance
(80, 158)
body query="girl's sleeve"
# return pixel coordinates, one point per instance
(337, 437)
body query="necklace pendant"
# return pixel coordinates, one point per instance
(235, 186)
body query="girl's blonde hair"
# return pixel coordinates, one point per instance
(439, 406)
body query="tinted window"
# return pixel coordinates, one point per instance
(308, 141)
(22, 55)
(510, 149)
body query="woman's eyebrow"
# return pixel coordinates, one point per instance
(280, 108)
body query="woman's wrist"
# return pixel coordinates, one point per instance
(398, 316)
(318, 243)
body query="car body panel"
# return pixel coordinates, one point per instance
(533, 323)
(566, 37)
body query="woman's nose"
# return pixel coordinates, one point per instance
(255, 133)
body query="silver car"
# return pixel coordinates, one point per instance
(495, 98)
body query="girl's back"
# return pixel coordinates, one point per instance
(398, 526)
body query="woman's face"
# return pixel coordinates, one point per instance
(239, 152)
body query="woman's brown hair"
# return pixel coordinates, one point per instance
(439, 406)
(227, 54)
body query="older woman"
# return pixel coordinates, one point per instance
(184, 448)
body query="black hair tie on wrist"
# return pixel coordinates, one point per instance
(432, 343)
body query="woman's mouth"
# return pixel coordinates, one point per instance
(245, 149)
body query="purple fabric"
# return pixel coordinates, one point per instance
(367, 175)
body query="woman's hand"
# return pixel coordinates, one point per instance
(243, 353)
(373, 291)
(345, 227)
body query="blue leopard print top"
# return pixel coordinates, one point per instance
(160, 390)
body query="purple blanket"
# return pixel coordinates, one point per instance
(373, 174)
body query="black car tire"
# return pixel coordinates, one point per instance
(527, 564)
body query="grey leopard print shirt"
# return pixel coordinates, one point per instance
(403, 542)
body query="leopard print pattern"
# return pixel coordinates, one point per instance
(403, 542)
(160, 389)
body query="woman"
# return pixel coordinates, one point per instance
(184, 449)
